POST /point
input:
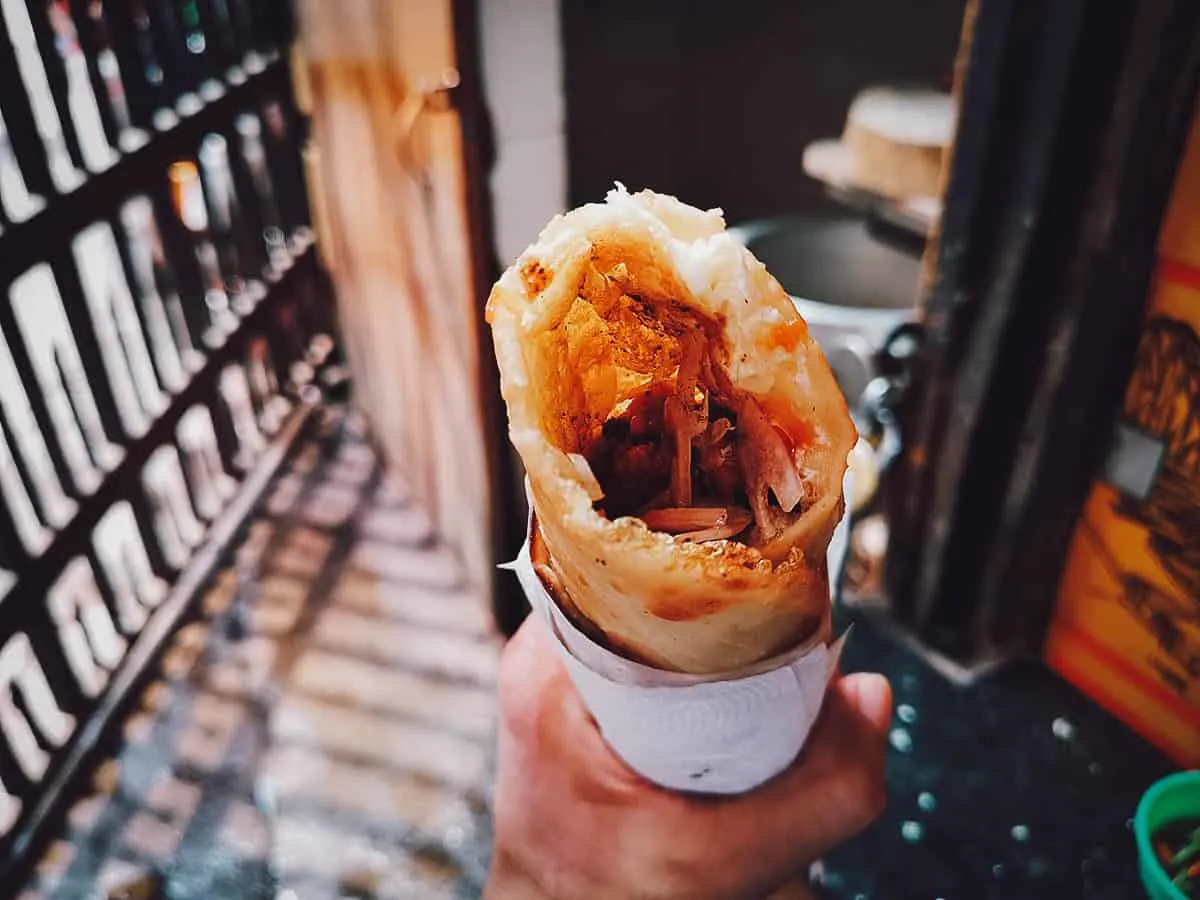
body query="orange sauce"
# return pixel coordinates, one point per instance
(535, 276)
(786, 336)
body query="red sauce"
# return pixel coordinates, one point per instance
(786, 336)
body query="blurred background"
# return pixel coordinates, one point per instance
(254, 465)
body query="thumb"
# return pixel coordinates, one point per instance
(871, 696)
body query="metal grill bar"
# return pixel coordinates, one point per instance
(163, 324)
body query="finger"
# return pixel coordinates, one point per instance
(523, 660)
(837, 788)
(853, 722)
(527, 664)
(544, 714)
(797, 889)
(871, 696)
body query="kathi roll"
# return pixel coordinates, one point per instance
(683, 437)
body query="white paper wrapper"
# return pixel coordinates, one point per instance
(713, 734)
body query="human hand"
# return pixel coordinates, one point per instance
(573, 822)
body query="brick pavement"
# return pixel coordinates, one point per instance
(322, 730)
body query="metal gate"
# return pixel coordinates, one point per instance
(163, 323)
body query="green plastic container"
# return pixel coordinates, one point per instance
(1174, 797)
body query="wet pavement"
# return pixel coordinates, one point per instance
(323, 730)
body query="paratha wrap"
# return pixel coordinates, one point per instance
(683, 437)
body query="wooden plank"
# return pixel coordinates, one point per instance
(392, 157)
(1071, 111)
(1096, 325)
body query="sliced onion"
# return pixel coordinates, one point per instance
(686, 415)
(676, 416)
(690, 519)
(737, 522)
(767, 463)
